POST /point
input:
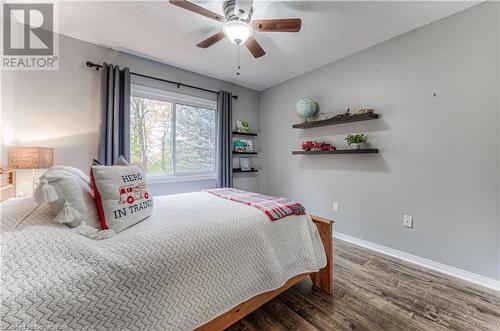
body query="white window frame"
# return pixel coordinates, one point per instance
(176, 98)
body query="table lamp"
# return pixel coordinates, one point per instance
(31, 158)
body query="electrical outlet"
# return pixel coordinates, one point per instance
(335, 206)
(408, 221)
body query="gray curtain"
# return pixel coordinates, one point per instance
(114, 130)
(224, 139)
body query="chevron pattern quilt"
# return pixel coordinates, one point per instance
(194, 259)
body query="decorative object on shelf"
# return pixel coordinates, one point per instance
(245, 164)
(306, 107)
(365, 111)
(323, 116)
(355, 140)
(243, 145)
(31, 158)
(239, 145)
(317, 146)
(242, 127)
(249, 146)
(346, 114)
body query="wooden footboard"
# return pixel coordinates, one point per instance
(322, 279)
(243, 309)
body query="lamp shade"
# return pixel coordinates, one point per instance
(238, 32)
(31, 157)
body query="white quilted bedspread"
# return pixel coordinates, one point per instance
(197, 257)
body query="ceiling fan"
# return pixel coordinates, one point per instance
(238, 26)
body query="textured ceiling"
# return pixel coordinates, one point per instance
(330, 31)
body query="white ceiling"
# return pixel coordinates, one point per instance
(330, 31)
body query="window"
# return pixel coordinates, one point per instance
(172, 135)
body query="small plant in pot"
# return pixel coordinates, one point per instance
(355, 140)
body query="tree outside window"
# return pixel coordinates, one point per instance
(172, 138)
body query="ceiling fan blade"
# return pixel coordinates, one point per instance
(277, 25)
(198, 10)
(211, 40)
(254, 47)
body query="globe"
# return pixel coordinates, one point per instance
(306, 107)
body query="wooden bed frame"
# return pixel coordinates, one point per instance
(322, 279)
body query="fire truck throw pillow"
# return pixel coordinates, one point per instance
(121, 195)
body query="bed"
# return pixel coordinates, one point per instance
(200, 262)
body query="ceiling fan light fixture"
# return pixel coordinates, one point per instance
(237, 32)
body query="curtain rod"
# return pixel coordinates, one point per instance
(98, 66)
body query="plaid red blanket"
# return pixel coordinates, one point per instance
(274, 207)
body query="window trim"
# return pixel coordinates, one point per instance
(168, 96)
(161, 179)
(142, 91)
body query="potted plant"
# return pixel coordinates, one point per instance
(355, 140)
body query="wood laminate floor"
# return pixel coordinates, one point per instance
(373, 291)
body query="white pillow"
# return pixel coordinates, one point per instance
(74, 198)
(120, 161)
(121, 195)
(70, 195)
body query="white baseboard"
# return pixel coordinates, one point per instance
(436, 266)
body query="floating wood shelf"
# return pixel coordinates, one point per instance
(338, 151)
(244, 134)
(334, 121)
(245, 153)
(243, 171)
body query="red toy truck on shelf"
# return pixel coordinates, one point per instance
(131, 193)
(317, 146)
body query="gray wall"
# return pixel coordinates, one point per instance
(60, 108)
(439, 157)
